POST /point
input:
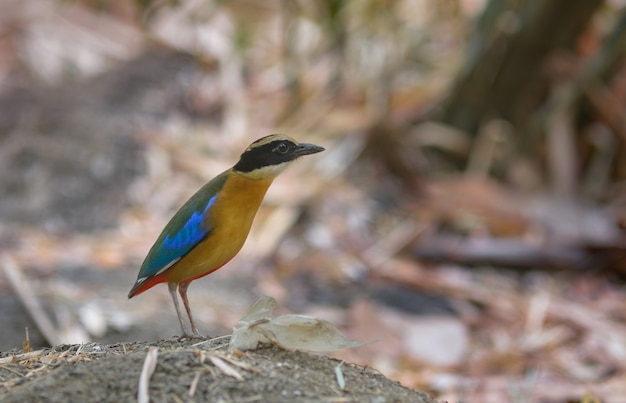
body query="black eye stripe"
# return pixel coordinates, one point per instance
(272, 153)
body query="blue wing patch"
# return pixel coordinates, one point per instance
(171, 247)
(191, 233)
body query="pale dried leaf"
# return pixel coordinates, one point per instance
(290, 332)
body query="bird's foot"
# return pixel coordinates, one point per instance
(193, 336)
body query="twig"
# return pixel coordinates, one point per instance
(225, 368)
(194, 384)
(149, 365)
(21, 357)
(26, 347)
(339, 375)
(27, 297)
(236, 363)
(211, 340)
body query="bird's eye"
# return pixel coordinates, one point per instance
(282, 148)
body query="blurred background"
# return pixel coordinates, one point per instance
(469, 210)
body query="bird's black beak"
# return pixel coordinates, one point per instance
(307, 148)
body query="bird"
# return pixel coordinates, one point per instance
(212, 226)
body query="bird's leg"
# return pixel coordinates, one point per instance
(172, 287)
(182, 289)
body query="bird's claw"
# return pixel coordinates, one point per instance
(193, 336)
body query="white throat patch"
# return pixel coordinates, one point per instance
(268, 172)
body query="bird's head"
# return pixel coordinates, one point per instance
(268, 156)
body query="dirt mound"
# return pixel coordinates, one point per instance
(191, 371)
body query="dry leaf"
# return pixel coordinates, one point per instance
(290, 332)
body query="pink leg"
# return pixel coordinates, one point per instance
(182, 289)
(172, 288)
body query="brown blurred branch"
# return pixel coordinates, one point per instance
(506, 55)
(27, 296)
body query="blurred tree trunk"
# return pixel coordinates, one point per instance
(502, 75)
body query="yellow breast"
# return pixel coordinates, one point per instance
(230, 219)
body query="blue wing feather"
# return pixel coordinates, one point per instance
(176, 246)
(185, 231)
(191, 233)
